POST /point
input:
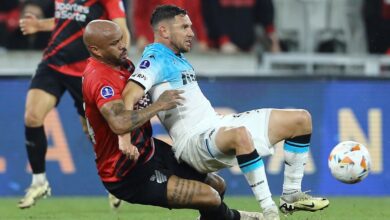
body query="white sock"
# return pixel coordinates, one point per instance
(38, 179)
(252, 167)
(294, 169)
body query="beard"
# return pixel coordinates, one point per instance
(180, 46)
(119, 60)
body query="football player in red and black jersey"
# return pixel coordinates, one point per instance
(144, 171)
(61, 68)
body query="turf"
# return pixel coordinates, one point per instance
(96, 208)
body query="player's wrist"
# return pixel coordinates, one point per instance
(39, 25)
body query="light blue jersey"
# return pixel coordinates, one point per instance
(161, 69)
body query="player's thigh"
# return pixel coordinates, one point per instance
(285, 123)
(201, 152)
(164, 158)
(38, 105)
(184, 193)
(145, 185)
(45, 91)
(256, 123)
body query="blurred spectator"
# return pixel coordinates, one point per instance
(231, 24)
(10, 12)
(377, 21)
(144, 8)
(37, 41)
(9, 19)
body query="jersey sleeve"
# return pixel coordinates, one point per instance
(147, 73)
(114, 8)
(106, 91)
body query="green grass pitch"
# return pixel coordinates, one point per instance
(96, 208)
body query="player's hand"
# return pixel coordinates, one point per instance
(29, 24)
(170, 99)
(127, 148)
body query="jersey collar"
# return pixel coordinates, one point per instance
(164, 49)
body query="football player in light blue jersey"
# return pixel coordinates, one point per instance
(210, 142)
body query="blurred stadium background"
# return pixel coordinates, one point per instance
(327, 66)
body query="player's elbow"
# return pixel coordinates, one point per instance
(118, 128)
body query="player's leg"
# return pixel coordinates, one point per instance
(184, 193)
(217, 182)
(165, 158)
(150, 185)
(295, 127)
(38, 105)
(44, 93)
(238, 141)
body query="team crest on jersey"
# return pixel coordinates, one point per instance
(107, 92)
(144, 64)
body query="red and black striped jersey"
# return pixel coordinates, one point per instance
(103, 84)
(66, 52)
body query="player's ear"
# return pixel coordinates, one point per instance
(95, 51)
(163, 31)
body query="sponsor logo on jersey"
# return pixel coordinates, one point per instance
(71, 11)
(139, 76)
(188, 77)
(158, 177)
(144, 64)
(107, 92)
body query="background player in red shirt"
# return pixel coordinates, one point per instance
(147, 171)
(61, 69)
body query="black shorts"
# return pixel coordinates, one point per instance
(147, 183)
(56, 83)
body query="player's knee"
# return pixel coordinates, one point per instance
(217, 182)
(241, 138)
(211, 198)
(304, 121)
(32, 119)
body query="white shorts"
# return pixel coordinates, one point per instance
(201, 152)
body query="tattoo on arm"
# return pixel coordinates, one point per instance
(116, 115)
(117, 108)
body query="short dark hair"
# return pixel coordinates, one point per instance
(163, 12)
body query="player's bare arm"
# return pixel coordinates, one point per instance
(132, 93)
(122, 121)
(30, 24)
(124, 140)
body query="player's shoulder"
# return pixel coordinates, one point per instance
(152, 55)
(92, 68)
(156, 51)
(149, 60)
(95, 73)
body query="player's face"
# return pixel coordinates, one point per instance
(114, 51)
(181, 34)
